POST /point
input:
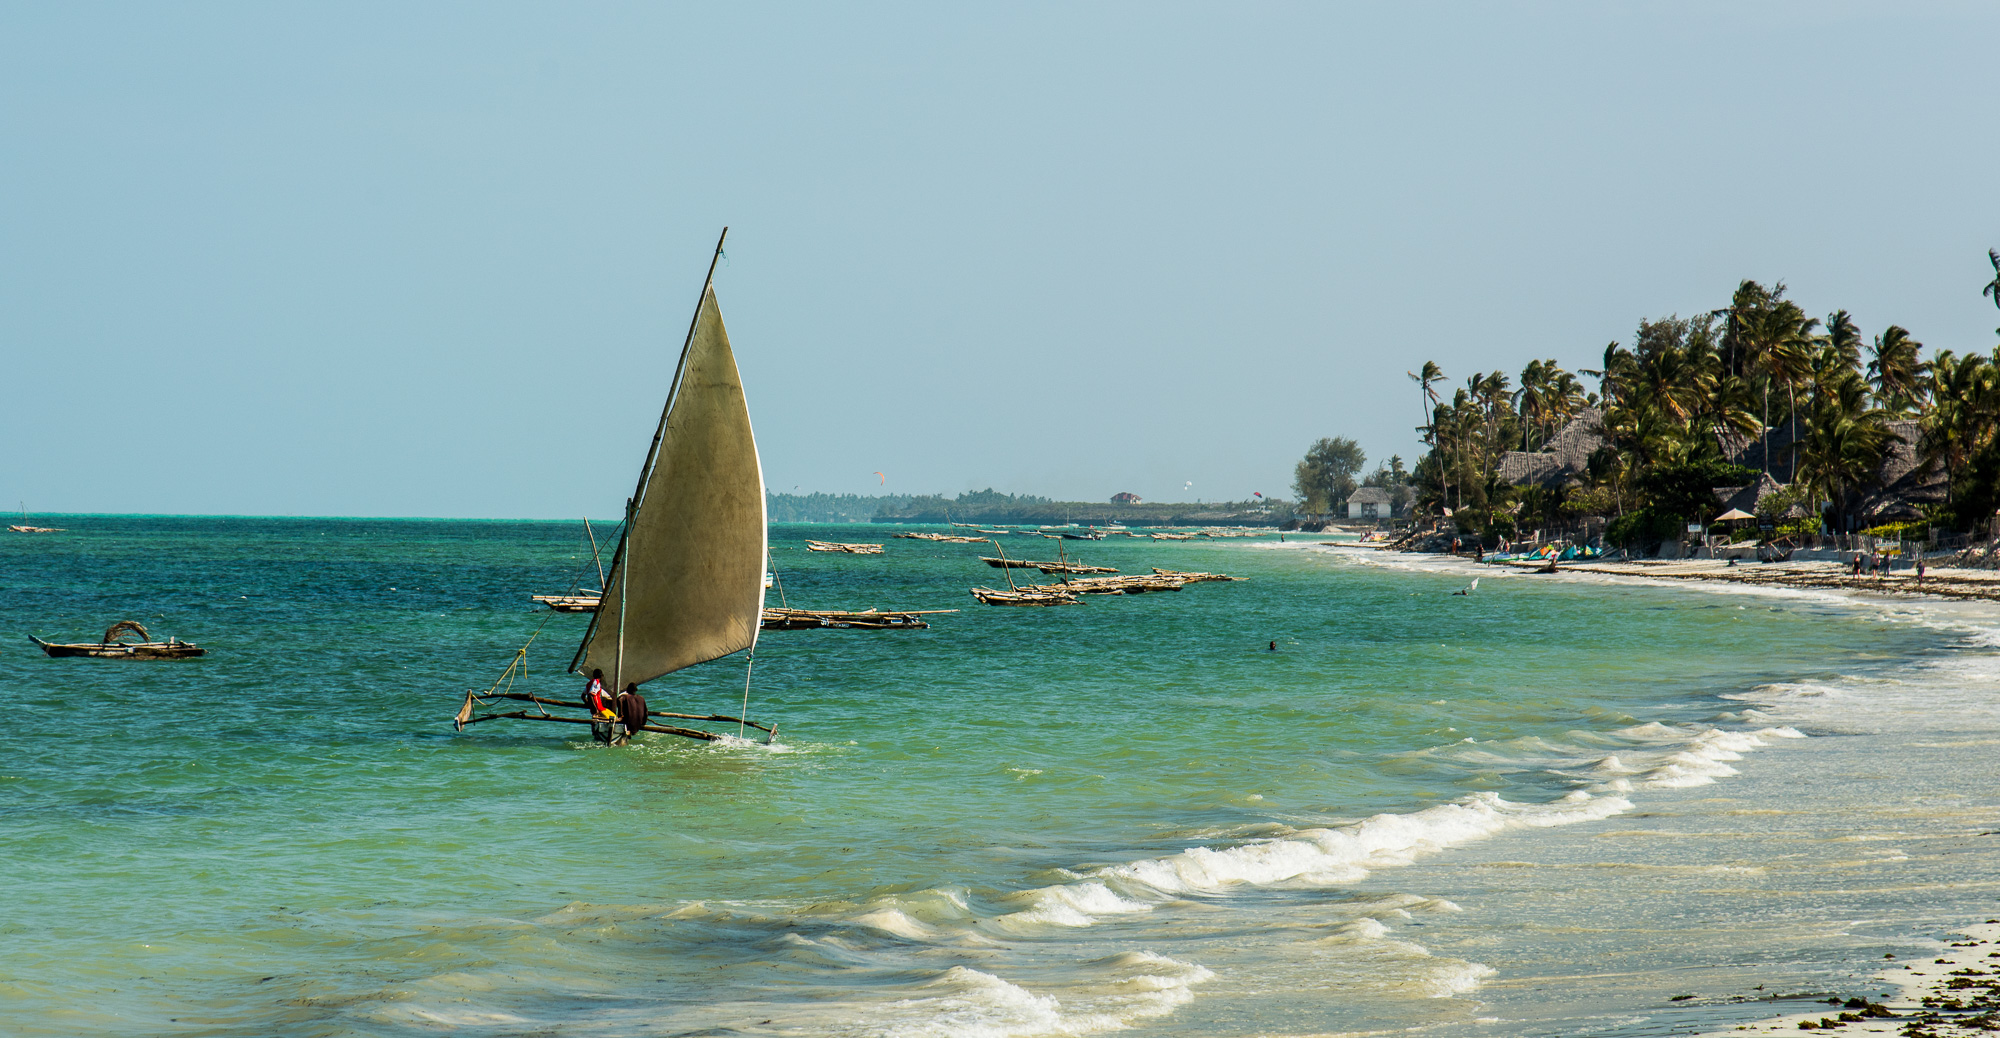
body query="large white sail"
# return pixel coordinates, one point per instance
(687, 583)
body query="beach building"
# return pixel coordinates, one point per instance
(1565, 457)
(1126, 497)
(1746, 498)
(1370, 503)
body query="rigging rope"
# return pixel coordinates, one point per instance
(518, 666)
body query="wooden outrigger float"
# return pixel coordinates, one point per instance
(784, 619)
(851, 549)
(113, 649)
(686, 583)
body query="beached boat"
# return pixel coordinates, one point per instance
(111, 648)
(851, 549)
(686, 583)
(784, 619)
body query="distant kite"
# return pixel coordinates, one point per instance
(885, 479)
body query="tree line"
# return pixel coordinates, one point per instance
(1757, 387)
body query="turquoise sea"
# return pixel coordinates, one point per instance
(1553, 806)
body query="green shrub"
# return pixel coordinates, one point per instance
(1642, 528)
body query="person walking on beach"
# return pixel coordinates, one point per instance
(1920, 569)
(1857, 564)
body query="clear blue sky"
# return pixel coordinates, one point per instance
(434, 259)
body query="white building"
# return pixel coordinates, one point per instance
(1370, 503)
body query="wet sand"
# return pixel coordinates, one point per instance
(1938, 582)
(1956, 994)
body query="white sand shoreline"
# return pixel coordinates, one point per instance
(1955, 994)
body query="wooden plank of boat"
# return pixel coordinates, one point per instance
(1194, 578)
(570, 603)
(113, 649)
(851, 549)
(784, 619)
(991, 597)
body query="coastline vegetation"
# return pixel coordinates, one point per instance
(990, 506)
(1831, 430)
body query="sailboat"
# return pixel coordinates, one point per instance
(686, 583)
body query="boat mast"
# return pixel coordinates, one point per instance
(618, 664)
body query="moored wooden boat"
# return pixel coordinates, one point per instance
(784, 619)
(991, 597)
(1193, 578)
(113, 649)
(941, 538)
(1132, 585)
(570, 603)
(851, 549)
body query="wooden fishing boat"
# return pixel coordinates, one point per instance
(111, 648)
(1193, 578)
(686, 583)
(1045, 567)
(784, 619)
(1173, 536)
(851, 549)
(941, 538)
(35, 529)
(1083, 536)
(569, 603)
(1015, 596)
(1020, 597)
(1133, 585)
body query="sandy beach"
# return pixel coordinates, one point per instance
(1939, 581)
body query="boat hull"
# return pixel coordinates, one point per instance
(121, 650)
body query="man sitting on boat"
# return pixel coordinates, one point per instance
(596, 698)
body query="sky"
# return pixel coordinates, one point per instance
(438, 259)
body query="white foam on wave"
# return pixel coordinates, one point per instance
(1302, 859)
(1109, 994)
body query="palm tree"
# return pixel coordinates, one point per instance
(1896, 372)
(1959, 420)
(1993, 287)
(1781, 340)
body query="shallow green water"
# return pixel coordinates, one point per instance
(1022, 821)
